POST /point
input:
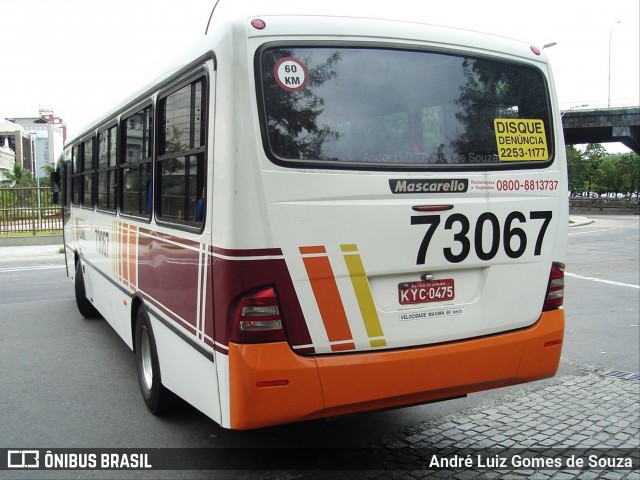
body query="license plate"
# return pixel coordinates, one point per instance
(426, 291)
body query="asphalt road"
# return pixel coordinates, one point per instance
(71, 382)
(602, 297)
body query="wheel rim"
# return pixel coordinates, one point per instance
(145, 358)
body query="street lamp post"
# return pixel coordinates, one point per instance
(575, 106)
(609, 88)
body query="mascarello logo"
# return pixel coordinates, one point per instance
(417, 185)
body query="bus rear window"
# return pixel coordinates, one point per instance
(398, 109)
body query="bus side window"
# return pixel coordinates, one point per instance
(181, 146)
(135, 168)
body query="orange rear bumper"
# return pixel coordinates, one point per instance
(270, 384)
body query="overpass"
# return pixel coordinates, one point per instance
(603, 125)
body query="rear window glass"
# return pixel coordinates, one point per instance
(387, 108)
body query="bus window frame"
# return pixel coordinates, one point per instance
(141, 106)
(321, 165)
(105, 128)
(74, 172)
(199, 73)
(87, 170)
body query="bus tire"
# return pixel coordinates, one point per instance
(85, 307)
(158, 399)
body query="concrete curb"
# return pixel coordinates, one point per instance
(578, 221)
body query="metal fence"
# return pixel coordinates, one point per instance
(603, 204)
(28, 211)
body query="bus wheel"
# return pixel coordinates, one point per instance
(85, 307)
(156, 396)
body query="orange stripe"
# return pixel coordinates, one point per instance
(116, 261)
(341, 347)
(123, 253)
(133, 240)
(327, 296)
(313, 249)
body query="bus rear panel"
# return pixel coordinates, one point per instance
(415, 194)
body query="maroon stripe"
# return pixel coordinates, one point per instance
(152, 301)
(168, 273)
(170, 238)
(251, 252)
(219, 349)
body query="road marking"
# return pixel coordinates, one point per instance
(605, 229)
(601, 280)
(33, 267)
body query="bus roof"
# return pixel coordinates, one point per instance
(299, 21)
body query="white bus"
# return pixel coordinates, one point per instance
(313, 216)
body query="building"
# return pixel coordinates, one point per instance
(7, 159)
(49, 134)
(20, 143)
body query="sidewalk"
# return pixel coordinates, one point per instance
(31, 251)
(583, 426)
(578, 221)
(590, 416)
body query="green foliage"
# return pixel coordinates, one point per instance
(595, 170)
(18, 177)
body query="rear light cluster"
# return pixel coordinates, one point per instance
(555, 290)
(256, 318)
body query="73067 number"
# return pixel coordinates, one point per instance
(511, 237)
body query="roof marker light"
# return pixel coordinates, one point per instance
(535, 50)
(258, 24)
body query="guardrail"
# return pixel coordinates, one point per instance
(604, 204)
(28, 211)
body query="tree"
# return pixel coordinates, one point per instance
(630, 166)
(577, 169)
(610, 174)
(596, 170)
(18, 177)
(593, 156)
(45, 180)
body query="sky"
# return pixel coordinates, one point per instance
(82, 57)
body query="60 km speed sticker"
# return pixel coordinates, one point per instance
(291, 74)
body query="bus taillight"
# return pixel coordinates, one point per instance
(555, 289)
(257, 319)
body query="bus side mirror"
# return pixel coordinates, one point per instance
(54, 180)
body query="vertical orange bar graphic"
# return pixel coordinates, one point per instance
(124, 263)
(325, 289)
(113, 246)
(133, 256)
(122, 252)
